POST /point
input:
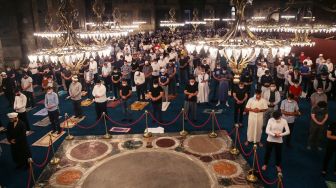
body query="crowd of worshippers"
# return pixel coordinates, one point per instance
(153, 67)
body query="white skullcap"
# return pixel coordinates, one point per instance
(163, 70)
(12, 115)
(321, 55)
(3, 73)
(282, 63)
(74, 78)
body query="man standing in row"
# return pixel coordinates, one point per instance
(20, 103)
(75, 93)
(51, 103)
(16, 136)
(191, 91)
(100, 99)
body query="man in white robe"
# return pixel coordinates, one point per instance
(256, 106)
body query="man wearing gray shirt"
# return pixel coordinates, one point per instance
(75, 93)
(51, 104)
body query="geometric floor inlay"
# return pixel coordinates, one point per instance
(89, 151)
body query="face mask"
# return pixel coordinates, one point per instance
(192, 83)
(115, 71)
(241, 87)
(319, 92)
(155, 85)
(8, 69)
(124, 84)
(25, 69)
(161, 57)
(224, 71)
(289, 100)
(49, 92)
(273, 88)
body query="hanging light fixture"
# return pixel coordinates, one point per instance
(239, 45)
(171, 23)
(72, 51)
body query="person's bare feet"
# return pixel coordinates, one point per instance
(264, 167)
(246, 143)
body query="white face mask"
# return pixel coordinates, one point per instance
(319, 92)
(155, 85)
(49, 92)
(124, 84)
(192, 83)
(273, 88)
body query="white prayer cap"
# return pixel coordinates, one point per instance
(321, 55)
(12, 115)
(74, 78)
(282, 63)
(3, 74)
(163, 70)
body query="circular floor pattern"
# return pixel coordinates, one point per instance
(66, 177)
(131, 144)
(89, 151)
(166, 142)
(203, 145)
(226, 168)
(149, 169)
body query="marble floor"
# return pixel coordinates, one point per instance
(164, 160)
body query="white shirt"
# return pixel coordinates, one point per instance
(156, 69)
(162, 63)
(260, 72)
(330, 66)
(138, 80)
(273, 126)
(99, 90)
(33, 67)
(120, 53)
(128, 58)
(106, 71)
(93, 67)
(289, 107)
(20, 103)
(309, 62)
(26, 82)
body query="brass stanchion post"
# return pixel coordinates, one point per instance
(280, 183)
(213, 134)
(30, 161)
(234, 150)
(55, 160)
(251, 177)
(107, 135)
(69, 136)
(147, 134)
(183, 132)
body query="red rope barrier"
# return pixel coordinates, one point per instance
(126, 125)
(91, 126)
(29, 176)
(218, 125)
(197, 126)
(45, 160)
(165, 124)
(262, 177)
(242, 149)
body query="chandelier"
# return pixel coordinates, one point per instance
(171, 23)
(195, 22)
(71, 51)
(239, 45)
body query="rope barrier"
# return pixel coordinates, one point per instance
(198, 126)
(29, 176)
(126, 125)
(91, 126)
(242, 149)
(165, 124)
(219, 128)
(262, 177)
(45, 160)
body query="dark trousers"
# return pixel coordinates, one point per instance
(100, 108)
(316, 135)
(147, 84)
(30, 99)
(54, 120)
(24, 118)
(214, 90)
(125, 109)
(184, 75)
(77, 108)
(238, 112)
(107, 82)
(330, 150)
(67, 84)
(157, 110)
(190, 108)
(291, 128)
(172, 86)
(140, 89)
(280, 82)
(269, 148)
(10, 97)
(88, 88)
(115, 88)
(305, 84)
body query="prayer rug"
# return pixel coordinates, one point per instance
(44, 122)
(42, 112)
(41, 102)
(138, 105)
(72, 121)
(113, 104)
(165, 106)
(86, 102)
(44, 141)
(120, 129)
